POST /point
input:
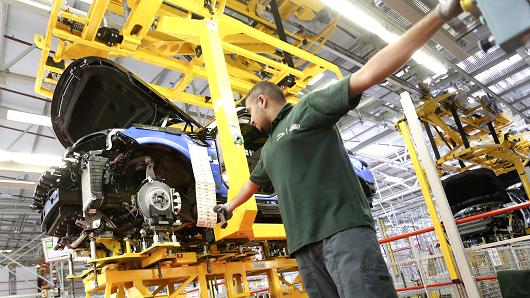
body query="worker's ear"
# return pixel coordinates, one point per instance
(263, 100)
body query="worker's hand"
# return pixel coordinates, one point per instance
(224, 213)
(448, 9)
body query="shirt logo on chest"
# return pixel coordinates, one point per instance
(293, 127)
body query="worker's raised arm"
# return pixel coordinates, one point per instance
(393, 56)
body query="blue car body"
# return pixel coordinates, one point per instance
(179, 143)
(127, 170)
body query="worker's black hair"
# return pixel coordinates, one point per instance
(271, 90)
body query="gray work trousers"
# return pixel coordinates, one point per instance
(347, 264)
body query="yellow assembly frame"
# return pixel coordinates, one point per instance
(163, 271)
(514, 149)
(155, 32)
(512, 153)
(158, 42)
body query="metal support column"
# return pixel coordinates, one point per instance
(493, 133)
(395, 267)
(71, 273)
(431, 139)
(524, 175)
(441, 200)
(274, 283)
(229, 131)
(458, 123)
(522, 171)
(203, 284)
(426, 191)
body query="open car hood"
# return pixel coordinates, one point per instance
(95, 94)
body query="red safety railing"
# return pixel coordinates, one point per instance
(442, 284)
(459, 221)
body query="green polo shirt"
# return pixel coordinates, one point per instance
(304, 158)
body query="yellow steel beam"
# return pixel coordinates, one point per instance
(95, 15)
(44, 43)
(192, 6)
(141, 55)
(139, 22)
(91, 46)
(182, 84)
(389, 247)
(203, 286)
(157, 256)
(108, 290)
(229, 133)
(274, 283)
(159, 289)
(233, 25)
(435, 119)
(120, 292)
(279, 263)
(178, 27)
(111, 244)
(268, 231)
(78, 46)
(168, 25)
(249, 11)
(426, 191)
(221, 4)
(262, 59)
(164, 254)
(128, 246)
(229, 24)
(139, 286)
(183, 286)
(180, 66)
(518, 166)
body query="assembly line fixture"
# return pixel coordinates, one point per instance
(199, 40)
(477, 134)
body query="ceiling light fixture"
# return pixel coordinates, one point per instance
(364, 20)
(28, 118)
